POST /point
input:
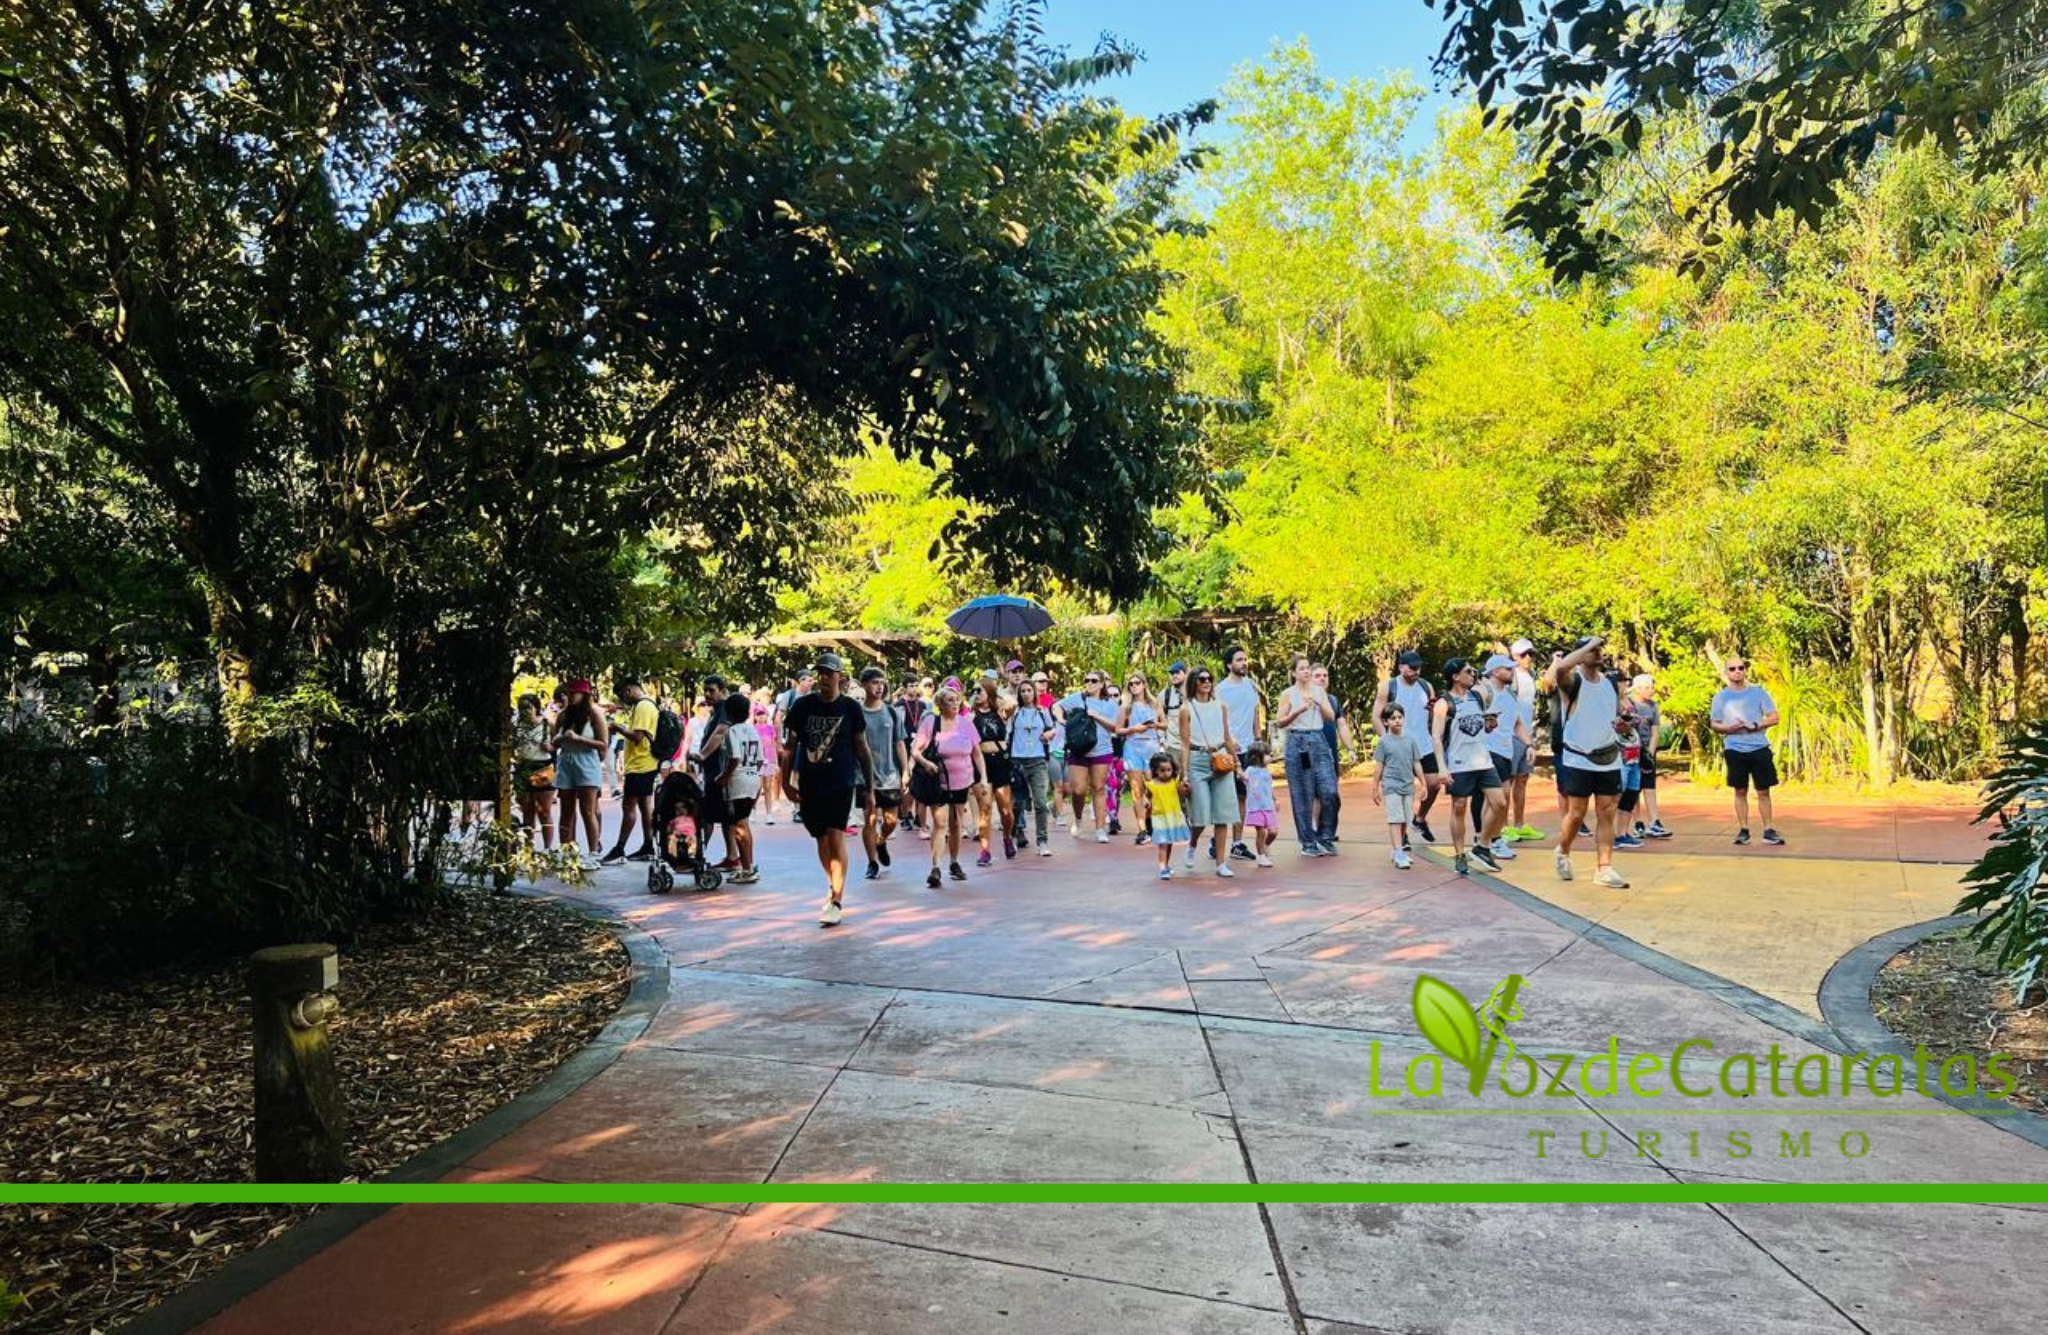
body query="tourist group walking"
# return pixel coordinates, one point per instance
(992, 766)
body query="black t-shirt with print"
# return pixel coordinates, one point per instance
(824, 733)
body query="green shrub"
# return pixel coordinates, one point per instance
(2005, 886)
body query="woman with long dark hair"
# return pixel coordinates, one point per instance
(1208, 761)
(582, 740)
(533, 773)
(994, 791)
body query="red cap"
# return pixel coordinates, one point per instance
(581, 684)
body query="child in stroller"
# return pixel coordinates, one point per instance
(676, 807)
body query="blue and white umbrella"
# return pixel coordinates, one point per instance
(999, 616)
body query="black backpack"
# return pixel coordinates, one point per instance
(668, 736)
(1080, 730)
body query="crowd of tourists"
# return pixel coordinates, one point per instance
(998, 761)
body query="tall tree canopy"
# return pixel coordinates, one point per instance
(1790, 98)
(372, 324)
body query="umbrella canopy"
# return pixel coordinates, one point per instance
(999, 616)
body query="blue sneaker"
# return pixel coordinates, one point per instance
(1627, 841)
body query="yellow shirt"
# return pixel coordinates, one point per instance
(1165, 796)
(639, 757)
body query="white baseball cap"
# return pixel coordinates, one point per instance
(1520, 647)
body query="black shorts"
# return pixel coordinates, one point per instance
(1649, 767)
(1504, 766)
(1575, 782)
(826, 813)
(953, 797)
(1429, 763)
(1464, 783)
(641, 784)
(1752, 769)
(886, 799)
(736, 811)
(999, 775)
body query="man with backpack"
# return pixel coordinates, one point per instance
(1088, 722)
(639, 769)
(1589, 755)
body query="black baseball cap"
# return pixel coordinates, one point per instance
(829, 662)
(1409, 658)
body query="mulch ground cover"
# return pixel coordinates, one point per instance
(1940, 992)
(444, 1016)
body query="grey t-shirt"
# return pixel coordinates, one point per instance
(1748, 705)
(1649, 718)
(1400, 756)
(885, 730)
(1027, 731)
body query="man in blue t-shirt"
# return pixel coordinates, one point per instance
(1743, 714)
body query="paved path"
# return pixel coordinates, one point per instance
(1773, 919)
(1072, 1019)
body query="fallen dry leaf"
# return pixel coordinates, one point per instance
(149, 1083)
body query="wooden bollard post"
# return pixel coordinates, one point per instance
(299, 1112)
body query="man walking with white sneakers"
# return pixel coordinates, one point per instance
(1589, 756)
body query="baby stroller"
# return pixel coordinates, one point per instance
(676, 807)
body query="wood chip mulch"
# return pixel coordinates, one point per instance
(1940, 992)
(444, 1016)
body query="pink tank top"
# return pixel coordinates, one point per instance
(956, 748)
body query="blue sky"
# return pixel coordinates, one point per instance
(1190, 46)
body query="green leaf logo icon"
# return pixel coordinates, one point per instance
(1448, 1022)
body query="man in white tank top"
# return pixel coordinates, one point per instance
(1589, 756)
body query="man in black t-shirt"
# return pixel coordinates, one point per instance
(829, 730)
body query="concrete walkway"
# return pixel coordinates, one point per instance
(1772, 919)
(1073, 1019)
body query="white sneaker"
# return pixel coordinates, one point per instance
(1223, 870)
(1074, 829)
(1188, 858)
(1045, 850)
(1262, 861)
(1609, 877)
(1102, 836)
(829, 916)
(1402, 860)
(1502, 851)
(1564, 867)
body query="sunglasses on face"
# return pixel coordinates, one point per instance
(1738, 667)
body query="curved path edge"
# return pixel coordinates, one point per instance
(197, 1303)
(1750, 1002)
(1845, 1001)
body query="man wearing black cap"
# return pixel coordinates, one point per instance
(1417, 699)
(830, 729)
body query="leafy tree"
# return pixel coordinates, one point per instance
(1792, 98)
(422, 333)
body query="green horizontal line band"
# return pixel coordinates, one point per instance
(631, 1193)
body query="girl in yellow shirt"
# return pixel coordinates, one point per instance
(1169, 825)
